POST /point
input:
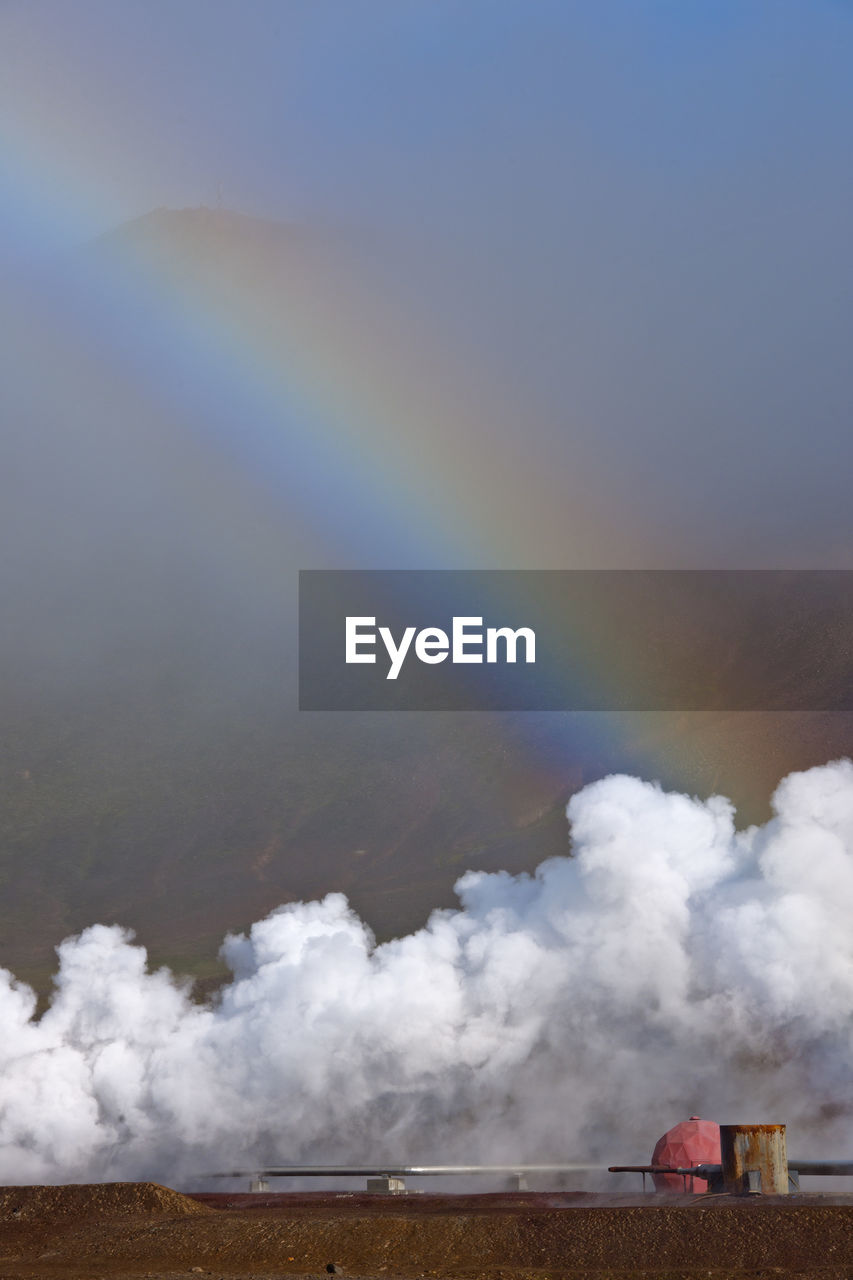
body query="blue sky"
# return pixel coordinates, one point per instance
(375, 107)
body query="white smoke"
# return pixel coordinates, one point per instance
(672, 965)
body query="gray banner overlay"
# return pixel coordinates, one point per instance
(582, 640)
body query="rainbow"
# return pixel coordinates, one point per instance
(318, 394)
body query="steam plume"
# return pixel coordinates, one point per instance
(673, 964)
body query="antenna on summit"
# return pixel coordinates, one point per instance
(219, 195)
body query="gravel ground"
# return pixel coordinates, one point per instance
(131, 1231)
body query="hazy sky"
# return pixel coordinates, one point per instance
(460, 110)
(641, 209)
(616, 235)
(456, 114)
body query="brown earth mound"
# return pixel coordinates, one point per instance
(34, 1206)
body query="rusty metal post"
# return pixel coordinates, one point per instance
(754, 1158)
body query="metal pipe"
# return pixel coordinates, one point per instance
(822, 1168)
(395, 1170)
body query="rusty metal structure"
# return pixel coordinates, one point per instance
(752, 1160)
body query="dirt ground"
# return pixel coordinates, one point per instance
(131, 1231)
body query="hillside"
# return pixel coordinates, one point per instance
(153, 768)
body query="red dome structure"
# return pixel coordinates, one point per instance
(691, 1142)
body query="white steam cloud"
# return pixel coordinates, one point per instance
(672, 965)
